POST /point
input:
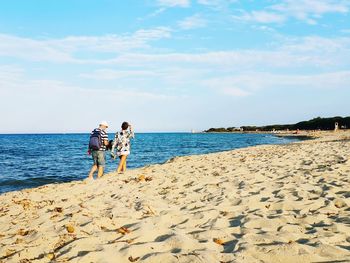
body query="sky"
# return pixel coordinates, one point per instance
(171, 65)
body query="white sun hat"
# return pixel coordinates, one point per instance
(104, 123)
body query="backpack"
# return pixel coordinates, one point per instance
(95, 142)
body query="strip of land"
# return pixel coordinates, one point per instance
(273, 203)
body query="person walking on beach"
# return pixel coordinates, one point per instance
(122, 143)
(97, 147)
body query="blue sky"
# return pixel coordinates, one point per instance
(171, 65)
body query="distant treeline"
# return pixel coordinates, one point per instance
(314, 124)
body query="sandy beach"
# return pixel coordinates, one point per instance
(273, 203)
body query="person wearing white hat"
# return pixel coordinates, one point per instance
(97, 147)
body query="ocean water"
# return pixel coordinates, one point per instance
(30, 160)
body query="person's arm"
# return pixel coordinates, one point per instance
(89, 150)
(104, 138)
(131, 133)
(115, 142)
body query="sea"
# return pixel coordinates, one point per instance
(31, 160)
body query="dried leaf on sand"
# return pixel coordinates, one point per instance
(219, 241)
(70, 229)
(144, 178)
(51, 256)
(123, 230)
(58, 209)
(131, 259)
(22, 232)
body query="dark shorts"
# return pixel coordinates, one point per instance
(99, 158)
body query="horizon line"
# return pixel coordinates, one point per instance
(48, 133)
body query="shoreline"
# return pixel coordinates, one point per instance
(159, 163)
(270, 203)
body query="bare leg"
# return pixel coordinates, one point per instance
(121, 163)
(92, 171)
(124, 164)
(100, 171)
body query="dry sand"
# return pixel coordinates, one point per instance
(286, 203)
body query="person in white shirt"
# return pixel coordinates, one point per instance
(122, 144)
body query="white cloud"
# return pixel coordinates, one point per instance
(346, 31)
(292, 55)
(62, 50)
(206, 2)
(174, 3)
(192, 22)
(110, 74)
(332, 80)
(44, 105)
(153, 14)
(31, 49)
(247, 84)
(134, 81)
(235, 92)
(316, 44)
(308, 11)
(129, 52)
(9, 73)
(217, 4)
(15, 79)
(111, 43)
(261, 17)
(303, 9)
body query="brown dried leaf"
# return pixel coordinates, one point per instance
(141, 178)
(131, 259)
(123, 230)
(70, 229)
(58, 209)
(53, 216)
(330, 214)
(51, 256)
(22, 232)
(339, 203)
(24, 202)
(218, 241)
